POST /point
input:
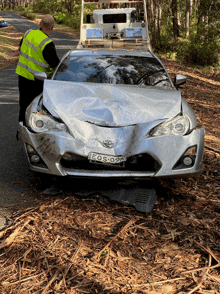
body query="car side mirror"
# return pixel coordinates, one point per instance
(179, 80)
(41, 76)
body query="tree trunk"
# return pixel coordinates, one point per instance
(190, 9)
(187, 17)
(153, 24)
(175, 20)
(159, 16)
(149, 16)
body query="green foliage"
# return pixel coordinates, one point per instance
(68, 20)
(90, 7)
(29, 15)
(48, 7)
(162, 41)
(202, 47)
(198, 49)
(104, 252)
(16, 8)
(59, 10)
(20, 8)
(61, 17)
(5, 8)
(73, 22)
(165, 43)
(167, 55)
(41, 6)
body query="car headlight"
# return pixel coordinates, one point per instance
(177, 126)
(42, 122)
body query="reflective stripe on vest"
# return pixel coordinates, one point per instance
(31, 58)
(28, 68)
(43, 42)
(34, 61)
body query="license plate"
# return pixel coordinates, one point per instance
(106, 158)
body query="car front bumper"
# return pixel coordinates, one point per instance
(166, 151)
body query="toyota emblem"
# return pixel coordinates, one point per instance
(108, 144)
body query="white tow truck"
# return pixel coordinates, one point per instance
(113, 24)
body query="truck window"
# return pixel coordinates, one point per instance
(114, 18)
(133, 16)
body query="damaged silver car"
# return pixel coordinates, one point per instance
(112, 113)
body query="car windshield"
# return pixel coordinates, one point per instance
(130, 70)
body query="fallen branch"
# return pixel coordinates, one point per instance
(69, 266)
(211, 148)
(2, 233)
(209, 251)
(214, 278)
(131, 222)
(201, 269)
(203, 278)
(7, 284)
(51, 281)
(155, 283)
(11, 238)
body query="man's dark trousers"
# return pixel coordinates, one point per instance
(28, 90)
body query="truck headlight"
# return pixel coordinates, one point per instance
(177, 126)
(42, 122)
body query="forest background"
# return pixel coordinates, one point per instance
(185, 30)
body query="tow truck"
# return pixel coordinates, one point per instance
(114, 24)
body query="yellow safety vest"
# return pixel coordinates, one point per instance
(31, 58)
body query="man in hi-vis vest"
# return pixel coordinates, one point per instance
(37, 54)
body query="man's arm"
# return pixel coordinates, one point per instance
(50, 55)
(19, 47)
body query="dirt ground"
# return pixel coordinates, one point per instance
(9, 42)
(64, 244)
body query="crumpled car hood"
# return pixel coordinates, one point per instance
(108, 104)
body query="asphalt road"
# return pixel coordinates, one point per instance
(18, 186)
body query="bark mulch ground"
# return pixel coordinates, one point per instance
(74, 245)
(66, 245)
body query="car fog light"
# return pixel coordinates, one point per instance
(179, 127)
(30, 149)
(35, 158)
(133, 160)
(39, 123)
(187, 160)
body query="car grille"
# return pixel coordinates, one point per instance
(141, 162)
